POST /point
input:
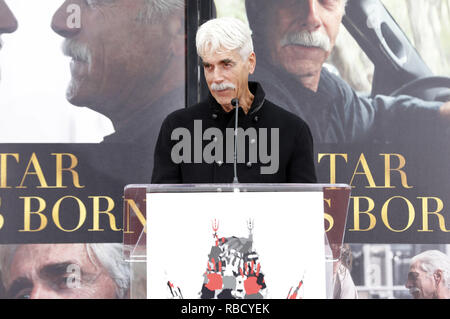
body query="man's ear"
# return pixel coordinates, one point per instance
(437, 276)
(252, 63)
(176, 33)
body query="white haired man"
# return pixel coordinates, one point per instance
(429, 276)
(128, 62)
(226, 49)
(65, 271)
(295, 38)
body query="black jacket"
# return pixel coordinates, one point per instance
(296, 159)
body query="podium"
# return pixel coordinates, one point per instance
(234, 240)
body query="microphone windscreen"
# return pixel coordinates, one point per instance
(235, 102)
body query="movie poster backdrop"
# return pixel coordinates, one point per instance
(84, 89)
(396, 160)
(396, 165)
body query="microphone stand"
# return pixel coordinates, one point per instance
(235, 103)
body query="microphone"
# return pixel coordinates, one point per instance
(235, 103)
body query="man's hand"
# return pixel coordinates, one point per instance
(214, 275)
(251, 285)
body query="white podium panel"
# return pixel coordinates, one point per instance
(233, 239)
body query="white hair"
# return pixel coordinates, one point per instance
(112, 259)
(432, 260)
(224, 33)
(157, 10)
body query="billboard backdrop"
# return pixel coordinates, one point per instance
(85, 86)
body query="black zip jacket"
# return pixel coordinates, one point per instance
(295, 160)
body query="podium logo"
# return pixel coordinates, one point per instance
(253, 146)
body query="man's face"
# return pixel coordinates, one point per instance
(302, 33)
(226, 74)
(420, 284)
(62, 271)
(116, 56)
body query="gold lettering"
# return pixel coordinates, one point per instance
(385, 218)
(37, 172)
(328, 217)
(388, 169)
(60, 169)
(97, 212)
(366, 172)
(426, 212)
(82, 211)
(332, 164)
(2, 220)
(27, 214)
(357, 212)
(131, 203)
(3, 168)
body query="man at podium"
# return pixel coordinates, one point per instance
(236, 134)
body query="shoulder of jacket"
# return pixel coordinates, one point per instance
(188, 112)
(334, 82)
(283, 114)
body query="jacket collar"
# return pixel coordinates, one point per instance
(258, 101)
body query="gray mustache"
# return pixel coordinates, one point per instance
(315, 39)
(413, 290)
(222, 86)
(77, 51)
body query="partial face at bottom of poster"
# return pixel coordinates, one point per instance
(235, 245)
(64, 271)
